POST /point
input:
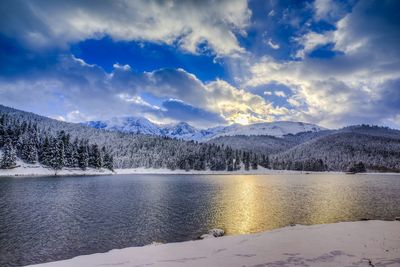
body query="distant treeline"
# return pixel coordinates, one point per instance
(26, 141)
(37, 139)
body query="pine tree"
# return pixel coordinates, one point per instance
(45, 152)
(95, 157)
(29, 152)
(229, 165)
(254, 162)
(246, 161)
(57, 154)
(71, 154)
(107, 159)
(83, 156)
(9, 159)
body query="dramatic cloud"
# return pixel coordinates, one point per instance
(206, 62)
(359, 85)
(190, 25)
(74, 90)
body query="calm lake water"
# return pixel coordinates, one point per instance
(47, 218)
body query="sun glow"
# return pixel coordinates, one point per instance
(243, 119)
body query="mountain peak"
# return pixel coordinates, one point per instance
(183, 130)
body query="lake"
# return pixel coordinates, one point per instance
(52, 218)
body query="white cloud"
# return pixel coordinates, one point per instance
(280, 93)
(272, 44)
(329, 10)
(311, 41)
(186, 24)
(76, 116)
(360, 85)
(78, 91)
(293, 102)
(271, 13)
(237, 105)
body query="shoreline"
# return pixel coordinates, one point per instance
(362, 243)
(26, 170)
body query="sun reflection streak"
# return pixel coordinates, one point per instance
(246, 212)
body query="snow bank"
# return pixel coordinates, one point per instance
(369, 243)
(259, 171)
(24, 169)
(39, 170)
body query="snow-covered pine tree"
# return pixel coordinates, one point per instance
(45, 152)
(95, 157)
(83, 155)
(237, 162)
(254, 161)
(9, 159)
(246, 160)
(107, 159)
(57, 152)
(229, 164)
(28, 148)
(71, 154)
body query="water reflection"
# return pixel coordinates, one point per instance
(46, 219)
(246, 205)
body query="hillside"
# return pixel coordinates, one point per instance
(377, 148)
(37, 139)
(265, 144)
(128, 150)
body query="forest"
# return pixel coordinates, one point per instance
(55, 144)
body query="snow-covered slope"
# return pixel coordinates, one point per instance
(277, 129)
(185, 131)
(137, 125)
(181, 130)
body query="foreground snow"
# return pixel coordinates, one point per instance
(369, 243)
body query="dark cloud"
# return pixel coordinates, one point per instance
(182, 111)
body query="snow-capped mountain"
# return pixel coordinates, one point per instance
(181, 130)
(277, 129)
(185, 131)
(138, 125)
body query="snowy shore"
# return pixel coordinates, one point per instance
(365, 243)
(24, 170)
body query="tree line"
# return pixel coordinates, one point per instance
(55, 144)
(24, 140)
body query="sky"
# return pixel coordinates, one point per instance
(208, 63)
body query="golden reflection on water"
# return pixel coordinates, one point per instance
(252, 206)
(249, 204)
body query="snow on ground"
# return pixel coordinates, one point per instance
(367, 243)
(259, 171)
(24, 169)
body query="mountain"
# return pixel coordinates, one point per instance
(378, 148)
(33, 138)
(185, 131)
(45, 139)
(181, 130)
(266, 144)
(276, 129)
(136, 125)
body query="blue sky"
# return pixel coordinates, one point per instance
(332, 63)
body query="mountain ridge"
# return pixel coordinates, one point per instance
(185, 131)
(374, 147)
